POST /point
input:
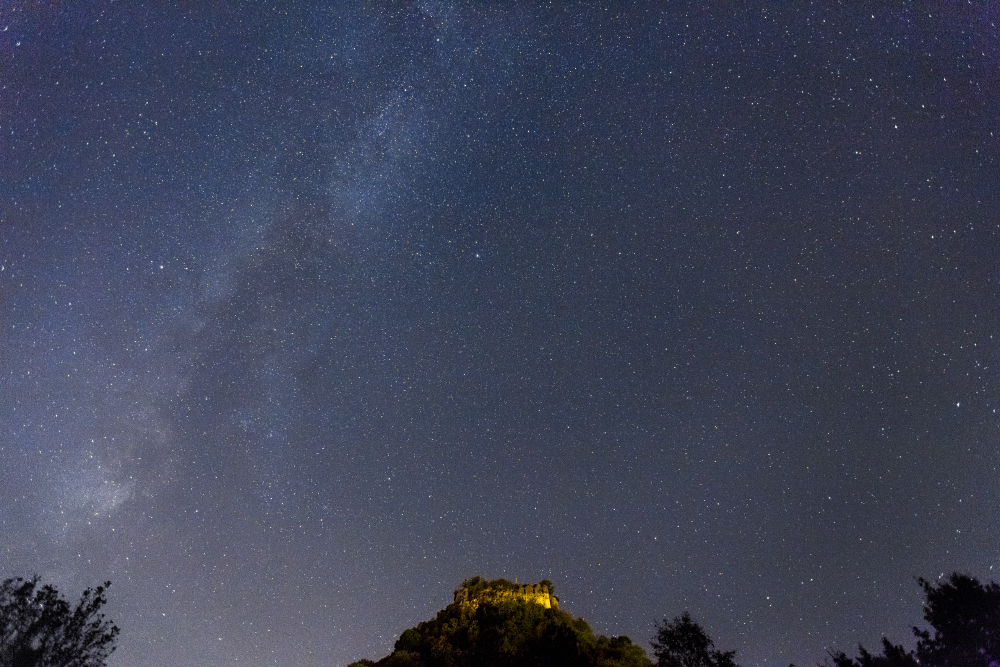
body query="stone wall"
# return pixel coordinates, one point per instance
(533, 593)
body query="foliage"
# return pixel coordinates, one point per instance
(965, 616)
(38, 628)
(683, 643)
(893, 655)
(508, 633)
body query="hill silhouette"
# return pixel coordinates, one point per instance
(502, 624)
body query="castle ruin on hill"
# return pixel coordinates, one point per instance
(478, 591)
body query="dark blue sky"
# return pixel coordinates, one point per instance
(309, 313)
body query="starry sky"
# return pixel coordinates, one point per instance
(310, 311)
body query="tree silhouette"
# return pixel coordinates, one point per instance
(965, 616)
(683, 643)
(893, 655)
(38, 628)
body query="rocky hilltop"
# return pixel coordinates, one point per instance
(504, 624)
(478, 591)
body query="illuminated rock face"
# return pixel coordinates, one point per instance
(533, 593)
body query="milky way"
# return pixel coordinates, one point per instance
(308, 314)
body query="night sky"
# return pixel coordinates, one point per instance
(310, 311)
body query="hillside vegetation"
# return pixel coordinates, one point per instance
(499, 624)
(503, 624)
